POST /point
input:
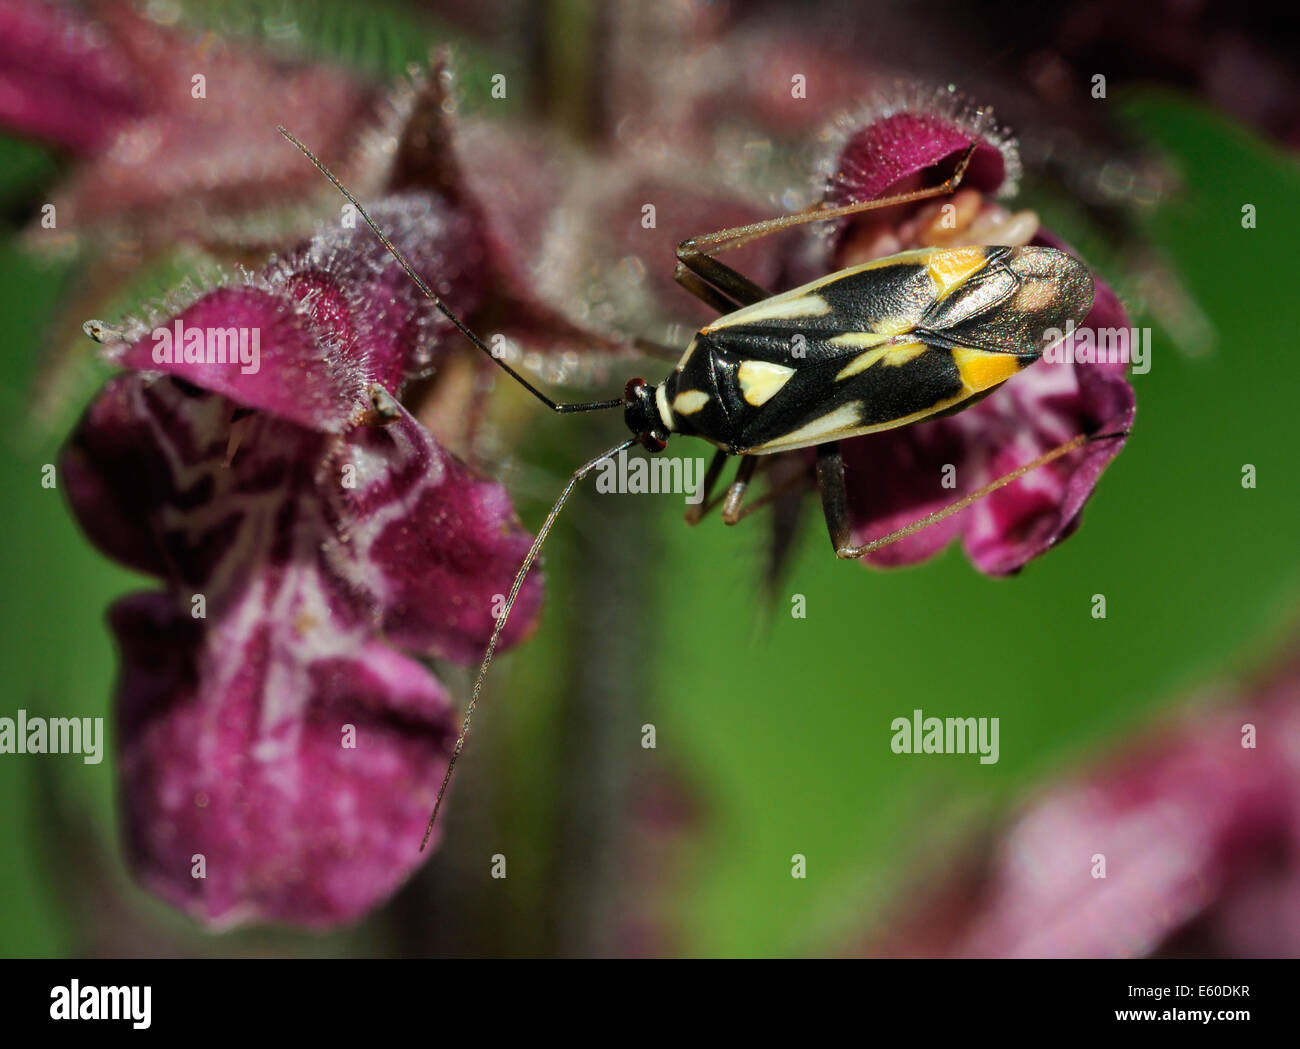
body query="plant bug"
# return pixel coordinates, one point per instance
(913, 336)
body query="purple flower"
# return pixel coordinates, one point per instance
(311, 535)
(272, 733)
(897, 476)
(1198, 828)
(162, 155)
(159, 167)
(57, 80)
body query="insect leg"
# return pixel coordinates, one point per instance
(831, 481)
(695, 265)
(777, 487)
(696, 513)
(500, 625)
(695, 252)
(695, 255)
(736, 493)
(704, 291)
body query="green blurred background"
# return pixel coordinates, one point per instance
(772, 732)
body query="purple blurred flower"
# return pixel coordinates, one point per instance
(158, 168)
(116, 89)
(311, 534)
(1199, 827)
(58, 82)
(307, 529)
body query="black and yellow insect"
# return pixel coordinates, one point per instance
(881, 345)
(910, 337)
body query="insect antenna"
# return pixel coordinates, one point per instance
(583, 406)
(529, 558)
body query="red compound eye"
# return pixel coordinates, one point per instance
(632, 388)
(651, 443)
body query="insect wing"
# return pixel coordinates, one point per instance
(889, 343)
(1009, 304)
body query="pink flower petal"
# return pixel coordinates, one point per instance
(58, 82)
(433, 547)
(187, 164)
(399, 535)
(330, 319)
(1183, 822)
(268, 776)
(881, 154)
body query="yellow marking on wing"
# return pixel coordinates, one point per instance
(688, 402)
(952, 268)
(823, 429)
(892, 356)
(858, 340)
(760, 381)
(840, 424)
(887, 328)
(861, 362)
(687, 355)
(914, 257)
(890, 326)
(789, 306)
(866, 340)
(980, 369)
(903, 353)
(804, 302)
